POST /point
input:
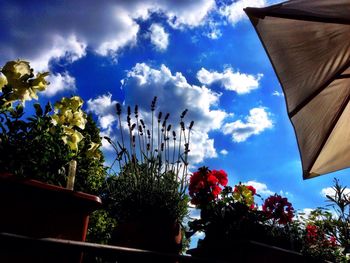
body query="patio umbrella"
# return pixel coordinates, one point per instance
(308, 44)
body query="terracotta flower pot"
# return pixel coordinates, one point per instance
(36, 209)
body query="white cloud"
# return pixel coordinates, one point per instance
(234, 81)
(105, 27)
(187, 13)
(69, 48)
(124, 34)
(58, 83)
(213, 31)
(174, 95)
(257, 121)
(303, 214)
(277, 94)
(159, 38)
(224, 152)
(261, 188)
(331, 192)
(104, 108)
(235, 13)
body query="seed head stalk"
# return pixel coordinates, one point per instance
(119, 112)
(138, 131)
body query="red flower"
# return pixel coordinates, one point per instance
(205, 185)
(216, 190)
(212, 180)
(195, 201)
(252, 189)
(221, 175)
(195, 178)
(311, 233)
(333, 241)
(200, 185)
(278, 208)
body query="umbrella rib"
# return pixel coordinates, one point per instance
(337, 75)
(262, 12)
(337, 117)
(344, 76)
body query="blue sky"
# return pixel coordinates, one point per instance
(201, 55)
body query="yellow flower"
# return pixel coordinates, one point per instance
(79, 119)
(93, 151)
(69, 115)
(19, 77)
(68, 112)
(242, 194)
(74, 103)
(72, 138)
(15, 70)
(39, 83)
(3, 81)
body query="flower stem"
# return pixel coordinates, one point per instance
(71, 174)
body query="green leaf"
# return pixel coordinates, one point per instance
(38, 110)
(48, 108)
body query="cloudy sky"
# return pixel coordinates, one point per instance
(201, 55)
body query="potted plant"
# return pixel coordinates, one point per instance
(234, 225)
(39, 155)
(147, 196)
(326, 234)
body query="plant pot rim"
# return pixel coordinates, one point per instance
(91, 200)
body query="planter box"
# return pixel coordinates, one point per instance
(151, 234)
(35, 209)
(250, 251)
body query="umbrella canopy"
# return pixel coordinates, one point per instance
(308, 43)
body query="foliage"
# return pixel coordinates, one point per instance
(101, 225)
(41, 146)
(151, 181)
(326, 234)
(91, 172)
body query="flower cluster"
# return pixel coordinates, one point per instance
(279, 209)
(68, 113)
(42, 145)
(205, 185)
(17, 82)
(315, 236)
(231, 215)
(311, 233)
(244, 194)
